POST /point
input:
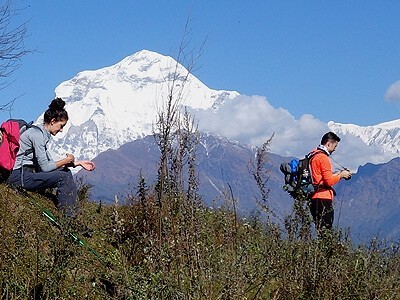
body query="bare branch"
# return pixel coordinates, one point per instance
(12, 47)
(174, 128)
(260, 174)
(9, 105)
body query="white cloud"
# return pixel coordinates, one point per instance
(252, 120)
(352, 152)
(393, 92)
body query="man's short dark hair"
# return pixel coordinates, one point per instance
(329, 136)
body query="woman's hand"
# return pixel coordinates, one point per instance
(86, 164)
(68, 161)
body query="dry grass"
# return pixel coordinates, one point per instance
(177, 251)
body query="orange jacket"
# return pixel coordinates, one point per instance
(321, 172)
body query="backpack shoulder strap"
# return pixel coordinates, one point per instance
(309, 158)
(36, 127)
(311, 155)
(315, 152)
(26, 127)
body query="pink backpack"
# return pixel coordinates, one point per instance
(10, 132)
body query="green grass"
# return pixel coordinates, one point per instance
(182, 251)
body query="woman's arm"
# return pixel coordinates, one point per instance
(38, 144)
(86, 164)
(65, 162)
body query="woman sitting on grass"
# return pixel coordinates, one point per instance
(35, 169)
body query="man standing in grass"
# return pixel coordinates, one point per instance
(323, 178)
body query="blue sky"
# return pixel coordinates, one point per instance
(334, 60)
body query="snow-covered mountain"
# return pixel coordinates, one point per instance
(386, 135)
(117, 104)
(120, 103)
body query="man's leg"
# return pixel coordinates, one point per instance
(322, 213)
(327, 214)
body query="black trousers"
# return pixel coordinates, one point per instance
(322, 213)
(61, 179)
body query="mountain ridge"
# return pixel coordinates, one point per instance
(385, 134)
(365, 204)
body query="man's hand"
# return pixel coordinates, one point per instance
(346, 174)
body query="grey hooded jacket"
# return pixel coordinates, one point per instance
(33, 151)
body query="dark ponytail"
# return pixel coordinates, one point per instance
(56, 111)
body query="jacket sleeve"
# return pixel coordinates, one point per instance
(45, 162)
(328, 178)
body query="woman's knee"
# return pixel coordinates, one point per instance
(64, 175)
